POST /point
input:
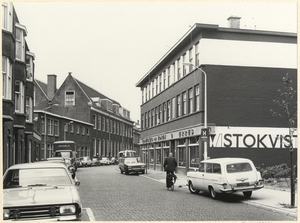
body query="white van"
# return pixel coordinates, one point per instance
(225, 175)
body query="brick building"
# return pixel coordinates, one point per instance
(19, 138)
(244, 70)
(98, 125)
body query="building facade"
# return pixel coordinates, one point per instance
(99, 126)
(224, 79)
(19, 138)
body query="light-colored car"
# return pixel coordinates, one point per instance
(131, 165)
(41, 191)
(96, 161)
(104, 161)
(86, 161)
(225, 175)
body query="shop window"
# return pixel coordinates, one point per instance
(158, 155)
(151, 156)
(194, 152)
(181, 152)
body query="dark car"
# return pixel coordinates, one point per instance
(40, 191)
(131, 165)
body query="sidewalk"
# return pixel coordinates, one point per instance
(274, 200)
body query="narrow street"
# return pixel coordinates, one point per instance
(108, 195)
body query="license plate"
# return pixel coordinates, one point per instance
(243, 184)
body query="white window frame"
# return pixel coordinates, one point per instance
(70, 101)
(29, 109)
(56, 127)
(19, 97)
(197, 98)
(6, 78)
(191, 102)
(7, 19)
(184, 103)
(20, 42)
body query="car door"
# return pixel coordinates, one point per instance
(207, 178)
(198, 180)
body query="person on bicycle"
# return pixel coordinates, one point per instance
(169, 166)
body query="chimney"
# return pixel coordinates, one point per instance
(234, 22)
(51, 85)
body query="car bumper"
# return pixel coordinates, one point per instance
(241, 189)
(60, 218)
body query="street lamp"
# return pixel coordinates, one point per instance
(45, 132)
(65, 131)
(205, 104)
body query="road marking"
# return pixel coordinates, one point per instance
(90, 214)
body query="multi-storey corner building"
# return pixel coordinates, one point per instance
(98, 125)
(136, 138)
(19, 137)
(243, 69)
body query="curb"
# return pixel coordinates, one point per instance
(269, 208)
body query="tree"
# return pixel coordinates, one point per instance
(287, 109)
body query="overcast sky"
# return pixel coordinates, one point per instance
(110, 46)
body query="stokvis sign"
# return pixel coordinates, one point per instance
(251, 137)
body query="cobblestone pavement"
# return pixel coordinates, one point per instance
(110, 196)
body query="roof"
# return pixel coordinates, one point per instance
(42, 86)
(92, 93)
(226, 160)
(41, 164)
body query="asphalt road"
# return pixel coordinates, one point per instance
(108, 195)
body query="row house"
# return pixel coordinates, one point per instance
(19, 138)
(99, 126)
(222, 80)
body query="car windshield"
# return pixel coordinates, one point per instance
(36, 177)
(238, 167)
(131, 160)
(66, 154)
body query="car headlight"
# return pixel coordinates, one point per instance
(6, 213)
(67, 209)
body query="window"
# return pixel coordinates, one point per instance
(173, 108)
(19, 96)
(152, 88)
(184, 103)
(103, 124)
(107, 125)
(50, 124)
(191, 103)
(56, 128)
(6, 16)
(197, 98)
(183, 66)
(209, 167)
(149, 119)
(29, 66)
(70, 98)
(191, 59)
(197, 54)
(99, 146)
(153, 119)
(160, 114)
(20, 42)
(71, 127)
(83, 130)
(216, 168)
(95, 146)
(99, 122)
(29, 109)
(95, 121)
(6, 78)
(114, 128)
(165, 112)
(156, 88)
(142, 95)
(169, 111)
(87, 131)
(77, 129)
(178, 69)
(178, 105)
(160, 83)
(169, 76)
(111, 126)
(164, 84)
(156, 115)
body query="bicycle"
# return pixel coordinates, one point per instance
(171, 177)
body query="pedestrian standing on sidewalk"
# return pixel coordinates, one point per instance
(170, 165)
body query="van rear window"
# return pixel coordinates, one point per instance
(238, 167)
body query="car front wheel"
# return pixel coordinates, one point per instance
(247, 194)
(191, 188)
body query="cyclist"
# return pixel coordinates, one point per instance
(169, 166)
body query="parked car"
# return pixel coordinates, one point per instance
(104, 161)
(225, 176)
(96, 161)
(40, 191)
(86, 161)
(131, 165)
(113, 161)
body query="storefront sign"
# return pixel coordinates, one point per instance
(242, 137)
